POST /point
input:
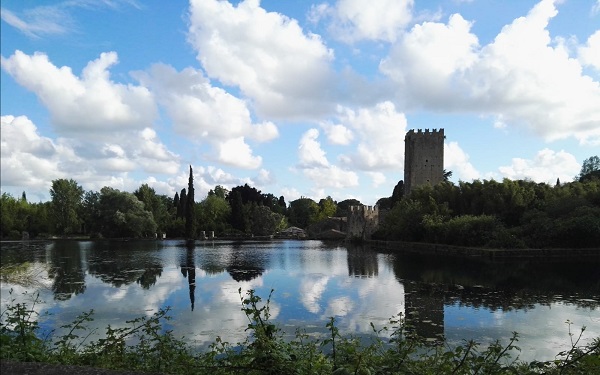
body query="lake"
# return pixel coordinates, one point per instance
(447, 298)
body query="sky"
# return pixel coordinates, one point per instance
(294, 98)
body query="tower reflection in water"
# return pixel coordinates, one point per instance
(424, 302)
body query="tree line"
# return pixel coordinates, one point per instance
(507, 214)
(111, 213)
(510, 213)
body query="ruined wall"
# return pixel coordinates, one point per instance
(362, 222)
(423, 158)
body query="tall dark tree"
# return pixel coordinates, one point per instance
(239, 220)
(190, 217)
(182, 204)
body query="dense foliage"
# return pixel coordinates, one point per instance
(500, 214)
(145, 345)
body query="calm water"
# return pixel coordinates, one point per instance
(449, 298)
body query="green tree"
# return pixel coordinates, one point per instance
(219, 191)
(156, 204)
(327, 208)
(303, 212)
(239, 218)
(265, 222)
(66, 199)
(590, 168)
(122, 214)
(214, 214)
(90, 212)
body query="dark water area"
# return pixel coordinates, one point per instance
(447, 298)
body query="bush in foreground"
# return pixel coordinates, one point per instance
(146, 346)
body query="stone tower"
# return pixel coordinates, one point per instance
(423, 158)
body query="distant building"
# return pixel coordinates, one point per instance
(423, 158)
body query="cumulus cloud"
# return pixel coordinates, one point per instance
(381, 131)
(353, 20)
(310, 153)
(337, 134)
(589, 54)
(206, 113)
(92, 103)
(316, 167)
(27, 158)
(457, 161)
(284, 70)
(522, 75)
(31, 161)
(546, 166)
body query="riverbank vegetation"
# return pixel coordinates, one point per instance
(145, 344)
(482, 213)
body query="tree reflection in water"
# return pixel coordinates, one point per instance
(188, 269)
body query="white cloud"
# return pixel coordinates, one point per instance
(378, 178)
(55, 19)
(331, 177)
(338, 134)
(546, 166)
(596, 8)
(457, 161)
(39, 21)
(590, 53)
(310, 153)
(27, 158)
(354, 20)
(237, 153)
(523, 75)
(71, 100)
(316, 167)
(381, 130)
(267, 55)
(206, 113)
(31, 161)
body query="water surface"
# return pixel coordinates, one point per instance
(442, 297)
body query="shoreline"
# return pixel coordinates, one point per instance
(396, 246)
(481, 252)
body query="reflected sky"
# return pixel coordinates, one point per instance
(312, 281)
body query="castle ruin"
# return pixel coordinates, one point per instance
(362, 222)
(423, 158)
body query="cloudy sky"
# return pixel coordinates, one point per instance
(292, 97)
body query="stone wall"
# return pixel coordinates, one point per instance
(363, 221)
(423, 158)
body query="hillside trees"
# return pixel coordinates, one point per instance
(66, 200)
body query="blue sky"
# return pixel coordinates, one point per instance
(295, 98)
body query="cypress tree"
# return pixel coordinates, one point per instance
(190, 217)
(182, 203)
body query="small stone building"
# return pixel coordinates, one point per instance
(363, 221)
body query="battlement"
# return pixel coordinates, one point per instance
(411, 133)
(363, 209)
